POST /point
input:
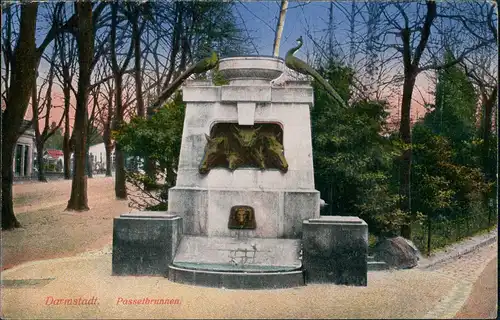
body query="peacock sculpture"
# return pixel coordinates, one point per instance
(300, 66)
(201, 66)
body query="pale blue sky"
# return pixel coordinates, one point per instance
(260, 18)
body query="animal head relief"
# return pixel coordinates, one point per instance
(247, 137)
(215, 152)
(236, 146)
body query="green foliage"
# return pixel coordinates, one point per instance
(217, 78)
(443, 187)
(50, 167)
(352, 160)
(448, 185)
(158, 138)
(454, 115)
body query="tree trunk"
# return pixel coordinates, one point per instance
(137, 68)
(120, 187)
(106, 135)
(23, 76)
(9, 220)
(40, 161)
(85, 41)
(89, 164)
(66, 142)
(67, 158)
(405, 135)
(108, 158)
(279, 28)
(148, 165)
(175, 42)
(39, 138)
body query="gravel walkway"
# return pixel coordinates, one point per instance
(483, 301)
(399, 294)
(432, 293)
(464, 271)
(50, 232)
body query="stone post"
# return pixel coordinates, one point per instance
(335, 250)
(145, 243)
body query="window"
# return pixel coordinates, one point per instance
(18, 161)
(26, 159)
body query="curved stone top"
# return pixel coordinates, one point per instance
(251, 69)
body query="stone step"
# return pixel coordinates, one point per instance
(232, 263)
(236, 280)
(238, 255)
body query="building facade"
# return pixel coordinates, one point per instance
(24, 154)
(97, 155)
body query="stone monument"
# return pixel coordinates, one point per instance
(280, 200)
(245, 200)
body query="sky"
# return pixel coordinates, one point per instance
(306, 19)
(310, 19)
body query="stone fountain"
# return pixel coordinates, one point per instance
(244, 212)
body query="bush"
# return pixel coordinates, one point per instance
(157, 139)
(50, 167)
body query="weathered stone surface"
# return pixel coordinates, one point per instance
(397, 252)
(298, 207)
(293, 116)
(200, 93)
(335, 250)
(246, 113)
(232, 93)
(265, 203)
(293, 95)
(251, 69)
(235, 263)
(233, 254)
(191, 204)
(278, 213)
(144, 243)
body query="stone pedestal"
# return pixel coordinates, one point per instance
(144, 243)
(335, 250)
(281, 200)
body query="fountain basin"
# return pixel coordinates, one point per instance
(251, 69)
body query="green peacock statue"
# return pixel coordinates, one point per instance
(300, 66)
(201, 66)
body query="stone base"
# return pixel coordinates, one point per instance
(278, 213)
(144, 243)
(234, 263)
(335, 250)
(238, 255)
(237, 280)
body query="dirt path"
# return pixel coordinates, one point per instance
(466, 272)
(48, 231)
(482, 303)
